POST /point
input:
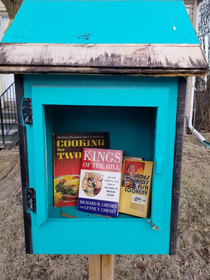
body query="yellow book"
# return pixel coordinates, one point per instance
(136, 187)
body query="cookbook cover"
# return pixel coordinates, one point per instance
(135, 192)
(67, 154)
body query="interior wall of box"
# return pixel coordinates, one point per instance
(131, 129)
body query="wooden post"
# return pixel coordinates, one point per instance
(107, 266)
(95, 267)
(101, 267)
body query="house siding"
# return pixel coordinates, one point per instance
(191, 7)
(189, 4)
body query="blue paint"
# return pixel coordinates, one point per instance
(101, 22)
(136, 135)
(140, 114)
(100, 210)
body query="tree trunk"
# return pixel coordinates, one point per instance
(12, 7)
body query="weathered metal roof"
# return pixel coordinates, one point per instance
(90, 36)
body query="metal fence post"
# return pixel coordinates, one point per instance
(2, 125)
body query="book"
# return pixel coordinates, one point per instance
(136, 187)
(138, 158)
(99, 189)
(67, 154)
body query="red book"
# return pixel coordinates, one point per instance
(67, 154)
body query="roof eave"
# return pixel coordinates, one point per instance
(133, 59)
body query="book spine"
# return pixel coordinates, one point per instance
(54, 152)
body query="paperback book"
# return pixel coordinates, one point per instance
(67, 154)
(136, 187)
(99, 189)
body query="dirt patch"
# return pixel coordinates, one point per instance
(9, 172)
(8, 160)
(192, 261)
(10, 183)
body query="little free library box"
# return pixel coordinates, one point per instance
(101, 66)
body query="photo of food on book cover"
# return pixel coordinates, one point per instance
(100, 181)
(67, 155)
(136, 187)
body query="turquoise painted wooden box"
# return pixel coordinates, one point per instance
(104, 73)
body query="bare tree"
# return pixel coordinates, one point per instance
(202, 93)
(204, 28)
(12, 7)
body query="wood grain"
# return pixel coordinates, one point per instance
(23, 164)
(127, 58)
(95, 267)
(101, 71)
(177, 165)
(107, 267)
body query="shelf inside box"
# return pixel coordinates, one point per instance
(71, 213)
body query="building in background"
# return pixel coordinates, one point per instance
(195, 9)
(5, 80)
(8, 114)
(192, 10)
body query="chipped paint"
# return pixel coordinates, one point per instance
(153, 226)
(84, 36)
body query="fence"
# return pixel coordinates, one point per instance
(8, 114)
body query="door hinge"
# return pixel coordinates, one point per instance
(31, 200)
(27, 111)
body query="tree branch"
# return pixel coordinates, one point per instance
(12, 7)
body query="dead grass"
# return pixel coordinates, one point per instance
(193, 256)
(7, 165)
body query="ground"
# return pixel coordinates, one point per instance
(192, 260)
